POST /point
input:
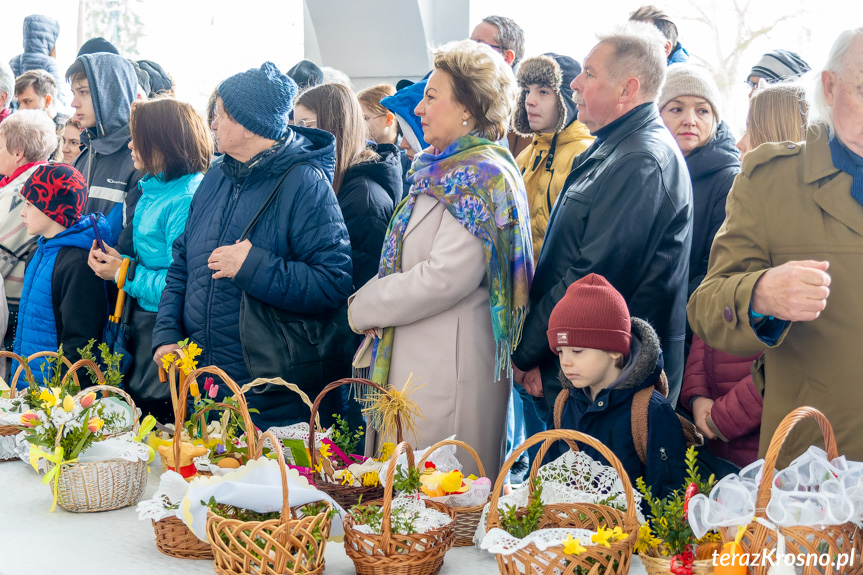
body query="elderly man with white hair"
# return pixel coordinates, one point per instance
(625, 211)
(786, 268)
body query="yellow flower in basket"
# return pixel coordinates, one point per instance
(167, 361)
(387, 451)
(325, 451)
(571, 546)
(47, 397)
(193, 350)
(371, 479)
(603, 537)
(187, 365)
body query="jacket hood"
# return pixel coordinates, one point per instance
(113, 87)
(385, 171)
(644, 364)
(557, 73)
(402, 104)
(80, 234)
(718, 154)
(40, 34)
(300, 145)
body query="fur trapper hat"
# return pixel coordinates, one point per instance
(556, 72)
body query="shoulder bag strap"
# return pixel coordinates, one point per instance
(273, 193)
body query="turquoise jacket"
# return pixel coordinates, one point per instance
(160, 217)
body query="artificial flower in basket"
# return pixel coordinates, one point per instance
(666, 542)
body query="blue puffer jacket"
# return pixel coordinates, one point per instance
(40, 37)
(160, 217)
(608, 417)
(63, 302)
(300, 258)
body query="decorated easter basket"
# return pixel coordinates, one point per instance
(466, 518)
(173, 538)
(612, 560)
(830, 540)
(283, 546)
(345, 495)
(662, 565)
(7, 432)
(100, 485)
(395, 554)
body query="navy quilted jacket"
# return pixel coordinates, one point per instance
(300, 259)
(40, 36)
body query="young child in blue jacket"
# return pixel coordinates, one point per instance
(606, 360)
(62, 302)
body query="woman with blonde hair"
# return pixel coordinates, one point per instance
(777, 113)
(172, 146)
(449, 300)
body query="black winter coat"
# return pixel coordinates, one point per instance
(712, 169)
(299, 261)
(626, 214)
(608, 418)
(367, 198)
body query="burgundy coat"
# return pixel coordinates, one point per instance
(736, 412)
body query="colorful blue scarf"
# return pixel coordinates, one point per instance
(480, 185)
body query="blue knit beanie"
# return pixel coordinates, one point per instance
(260, 99)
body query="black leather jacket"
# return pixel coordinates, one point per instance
(626, 214)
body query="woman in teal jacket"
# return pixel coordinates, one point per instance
(172, 145)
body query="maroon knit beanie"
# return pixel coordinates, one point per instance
(591, 314)
(57, 190)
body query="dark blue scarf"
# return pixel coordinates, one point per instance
(850, 163)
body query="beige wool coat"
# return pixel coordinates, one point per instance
(439, 306)
(790, 203)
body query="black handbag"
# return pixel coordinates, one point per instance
(310, 350)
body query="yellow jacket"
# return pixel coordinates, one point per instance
(544, 185)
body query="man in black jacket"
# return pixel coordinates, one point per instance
(625, 212)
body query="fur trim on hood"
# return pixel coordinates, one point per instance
(643, 355)
(555, 72)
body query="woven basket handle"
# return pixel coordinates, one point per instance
(292, 386)
(73, 371)
(136, 423)
(226, 408)
(540, 456)
(386, 524)
(283, 470)
(778, 440)
(37, 356)
(457, 443)
(556, 434)
(317, 405)
(180, 413)
(13, 391)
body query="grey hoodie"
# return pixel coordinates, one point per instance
(107, 162)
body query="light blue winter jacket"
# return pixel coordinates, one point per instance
(159, 218)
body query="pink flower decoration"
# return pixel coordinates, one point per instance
(214, 391)
(208, 383)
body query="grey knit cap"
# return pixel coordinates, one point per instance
(690, 80)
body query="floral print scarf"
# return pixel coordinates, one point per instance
(479, 183)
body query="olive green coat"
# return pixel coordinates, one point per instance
(790, 203)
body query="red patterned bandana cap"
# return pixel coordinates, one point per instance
(59, 191)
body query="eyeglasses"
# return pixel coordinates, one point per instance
(306, 123)
(374, 117)
(492, 46)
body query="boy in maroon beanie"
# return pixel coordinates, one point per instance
(613, 384)
(63, 302)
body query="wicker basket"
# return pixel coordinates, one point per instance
(394, 554)
(100, 485)
(662, 565)
(832, 539)
(288, 544)
(173, 538)
(345, 495)
(614, 560)
(466, 518)
(12, 430)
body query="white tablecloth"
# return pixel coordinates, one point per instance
(35, 541)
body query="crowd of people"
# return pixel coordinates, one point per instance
(539, 241)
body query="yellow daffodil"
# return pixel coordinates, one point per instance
(371, 479)
(571, 546)
(387, 451)
(193, 350)
(618, 534)
(48, 398)
(167, 361)
(68, 404)
(318, 468)
(602, 537)
(325, 450)
(187, 364)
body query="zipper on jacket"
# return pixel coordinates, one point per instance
(234, 197)
(662, 455)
